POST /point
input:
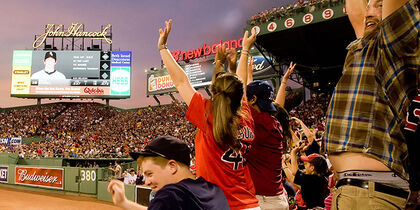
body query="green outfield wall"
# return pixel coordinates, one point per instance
(25, 173)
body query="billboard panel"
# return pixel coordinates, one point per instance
(4, 174)
(87, 74)
(11, 140)
(199, 74)
(40, 177)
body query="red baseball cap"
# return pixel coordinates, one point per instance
(309, 158)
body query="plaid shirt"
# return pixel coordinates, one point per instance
(380, 78)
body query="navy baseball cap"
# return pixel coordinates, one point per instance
(167, 147)
(264, 92)
(50, 54)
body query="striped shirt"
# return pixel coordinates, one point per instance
(380, 77)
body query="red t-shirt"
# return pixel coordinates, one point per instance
(264, 158)
(223, 166)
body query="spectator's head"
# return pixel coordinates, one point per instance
(227, 91)
(372, 16)
(260, 94)
(164, 161)
(315, 164)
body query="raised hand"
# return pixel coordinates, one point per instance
(221, 54)
(289, 71)
(163, 35)
(250, 70)
(116, 189)
(247, 42)
(219, 61)
(251, 65)
(232, 56)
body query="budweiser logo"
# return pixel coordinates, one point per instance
(24, 176)
(94, 91)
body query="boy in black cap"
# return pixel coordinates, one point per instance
(165, 163)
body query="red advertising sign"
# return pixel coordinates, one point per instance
(73, 90)
(41, 177)
(205, 50)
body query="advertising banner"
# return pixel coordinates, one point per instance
(40, 177)
(15, 141)
(262, 67)
(199, 75)
(120, 72)
(10, 140)
(4, 174)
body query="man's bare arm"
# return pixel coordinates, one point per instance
(356, 10)
(389, 6)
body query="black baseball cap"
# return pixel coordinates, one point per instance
(167, 147)
(264, 92)
(50, 54)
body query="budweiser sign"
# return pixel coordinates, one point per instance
(42, 177)
(94, 91)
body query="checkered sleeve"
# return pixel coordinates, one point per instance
(400, 30)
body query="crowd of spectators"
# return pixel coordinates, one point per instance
(300, 6)
(93, 130)
(25, 122)
(312, 112)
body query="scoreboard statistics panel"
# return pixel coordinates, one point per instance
(86, 74)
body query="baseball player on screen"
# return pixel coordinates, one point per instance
(49, 72)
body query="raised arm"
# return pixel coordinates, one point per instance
(295, 138)
(177, 74)
(241, 71)
(219, 61)
(116, 189)
(232, 56)
(389, 6)
(281, 94)
(356, 10)
(293, 162)
(287, 167)
(306, 131)
(250, 70)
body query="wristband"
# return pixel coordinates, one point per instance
(161, 47)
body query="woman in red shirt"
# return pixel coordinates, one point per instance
(226, 128)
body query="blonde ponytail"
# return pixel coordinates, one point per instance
(227, 93)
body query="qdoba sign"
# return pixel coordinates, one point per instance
(41, 177)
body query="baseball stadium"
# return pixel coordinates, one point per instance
(313, 105)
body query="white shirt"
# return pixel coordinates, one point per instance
(43, 75)
(54, 79)
(129, 179)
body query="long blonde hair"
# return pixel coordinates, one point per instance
(227, 91)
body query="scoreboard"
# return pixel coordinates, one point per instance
(86, 74)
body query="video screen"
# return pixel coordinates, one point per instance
(90, 74)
